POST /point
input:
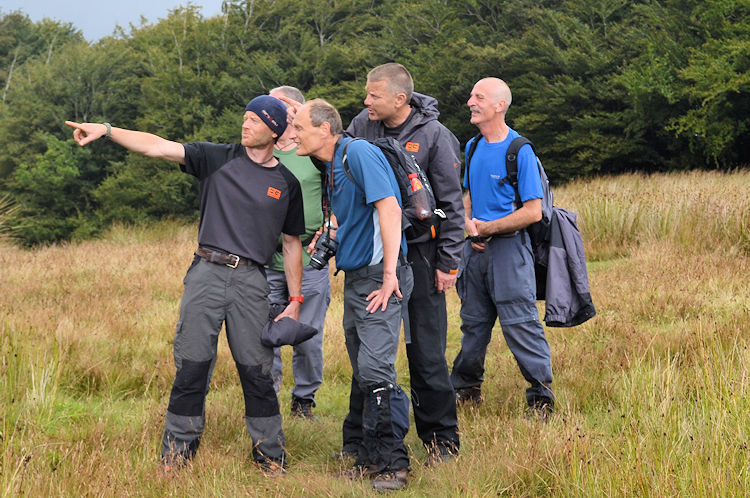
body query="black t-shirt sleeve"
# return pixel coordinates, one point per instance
(294, 223)
(203, 158)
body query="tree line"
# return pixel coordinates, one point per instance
(600, 86)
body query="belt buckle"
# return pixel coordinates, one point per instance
(236, 261)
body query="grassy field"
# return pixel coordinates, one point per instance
(652, 392)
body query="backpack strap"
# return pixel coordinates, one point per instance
(348, 171)
(511, 165)
(345, 163)
(469, 153)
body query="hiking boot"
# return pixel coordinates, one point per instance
(355, 472)
(345, 454)
(171, 464)
(390, 481)
(271, 468)
(437, 454)
(469, 395)
(541, 411)
(302, 408)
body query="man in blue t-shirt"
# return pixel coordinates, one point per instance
(371, 251)
(496, 278)
(247, 200)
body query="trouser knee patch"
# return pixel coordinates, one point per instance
(189, 389)
(257, 387)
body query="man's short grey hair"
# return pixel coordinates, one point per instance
(397, 76)
(323, 112)
(289, 92)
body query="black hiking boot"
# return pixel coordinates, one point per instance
(272, 468)
(302, 408)
(345, 454)
(469, 396)
(540, 411)
(439, 453)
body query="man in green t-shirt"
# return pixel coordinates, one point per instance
(307, 359)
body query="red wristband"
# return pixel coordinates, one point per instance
(301, 299)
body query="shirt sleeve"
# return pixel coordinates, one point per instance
(203, 158)
(294, 223)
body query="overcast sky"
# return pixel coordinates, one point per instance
(99, 18)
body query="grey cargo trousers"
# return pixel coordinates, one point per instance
(499, 284)
(307, 360)
(216, 294)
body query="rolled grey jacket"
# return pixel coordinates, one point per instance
(568, 300)
(436, 150)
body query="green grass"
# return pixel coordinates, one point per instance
(652, 392)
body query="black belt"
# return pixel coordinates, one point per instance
(222, 258)
(478, 239)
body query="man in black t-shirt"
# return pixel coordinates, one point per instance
(247, 200)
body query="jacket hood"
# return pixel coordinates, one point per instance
(426, 107)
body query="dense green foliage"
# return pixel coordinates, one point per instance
(600, 86)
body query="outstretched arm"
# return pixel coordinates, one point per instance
(143, 143)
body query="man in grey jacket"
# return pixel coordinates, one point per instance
(394, 110)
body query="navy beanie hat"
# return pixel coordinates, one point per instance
(271, 110)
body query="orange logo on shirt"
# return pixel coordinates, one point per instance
(274, 192)
(412, 146)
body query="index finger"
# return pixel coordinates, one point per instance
(291, 103)
(73, 124)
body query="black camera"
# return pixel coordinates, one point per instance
(325, 247)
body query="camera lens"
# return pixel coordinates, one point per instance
(325, 248)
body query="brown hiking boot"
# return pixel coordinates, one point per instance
(469, 396)
(390, 481)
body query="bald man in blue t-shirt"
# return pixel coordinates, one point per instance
(496, 279)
